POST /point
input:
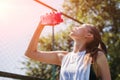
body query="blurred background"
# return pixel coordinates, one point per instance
(19, 19)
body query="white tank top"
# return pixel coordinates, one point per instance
(73, 68)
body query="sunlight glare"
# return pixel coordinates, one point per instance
(4, 8)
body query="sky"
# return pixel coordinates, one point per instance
(18, 21)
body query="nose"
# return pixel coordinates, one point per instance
(75, 28)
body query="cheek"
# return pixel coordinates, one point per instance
(81, 33)
(89, 39)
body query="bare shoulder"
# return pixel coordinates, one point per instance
(101, 56)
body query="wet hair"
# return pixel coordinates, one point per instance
(96, 44)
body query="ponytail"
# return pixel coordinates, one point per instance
(103, 47)
(96, 44)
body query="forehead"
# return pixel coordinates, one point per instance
(85, 27)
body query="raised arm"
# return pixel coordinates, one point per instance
(51, 57)
(34, 41)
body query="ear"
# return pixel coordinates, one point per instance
(89, 35)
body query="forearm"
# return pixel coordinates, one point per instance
(34, 41)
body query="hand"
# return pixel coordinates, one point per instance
(51, 19)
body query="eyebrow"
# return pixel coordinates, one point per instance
(89, 30)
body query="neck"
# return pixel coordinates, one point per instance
(78, 46)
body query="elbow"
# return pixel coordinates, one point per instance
(32, 55)
(29, 54)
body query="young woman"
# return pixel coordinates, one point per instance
(87, 61)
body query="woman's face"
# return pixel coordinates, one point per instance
(81, 32)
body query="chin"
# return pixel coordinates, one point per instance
(71, 33)
(72, 36)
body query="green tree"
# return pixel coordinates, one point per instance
(105, 15)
